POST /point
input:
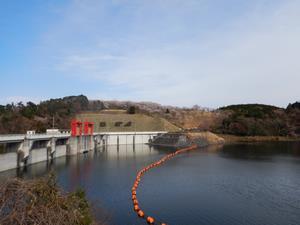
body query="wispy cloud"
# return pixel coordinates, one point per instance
(182, 52)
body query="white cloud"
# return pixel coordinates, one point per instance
(163, 55)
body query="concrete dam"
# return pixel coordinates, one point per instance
(19, 150)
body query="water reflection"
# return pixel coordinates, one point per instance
(231, 185)
(261, 151)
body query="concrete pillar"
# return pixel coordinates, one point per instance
(97, 141)
(74, 145)
(92, 142)
(80, 144)
(53, 145)
(84, 145)
(51, 148)
(23, 152)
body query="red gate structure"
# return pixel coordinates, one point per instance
(88, 128)
(76, 128)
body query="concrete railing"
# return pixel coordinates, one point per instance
(7, 138)
(11, 138)
(131, 133)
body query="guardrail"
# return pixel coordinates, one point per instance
(20, 137)
(131, 133)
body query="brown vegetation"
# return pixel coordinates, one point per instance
(256, 120)
(40, 201)
(18, 118)
(241, 120)
(209, 137)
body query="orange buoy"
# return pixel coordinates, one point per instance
(136, 208)
(141, 213)
(150, 220)
(135, 202)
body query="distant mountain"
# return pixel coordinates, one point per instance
(244, 119)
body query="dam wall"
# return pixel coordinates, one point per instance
(19, 151)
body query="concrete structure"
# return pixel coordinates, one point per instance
(20, 150)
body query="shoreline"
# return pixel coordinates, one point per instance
(253, 139)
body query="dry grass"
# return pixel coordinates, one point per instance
(139, 122)
(191, 119)
(209, 137)
(41, 202)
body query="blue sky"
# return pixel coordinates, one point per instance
(206, 52)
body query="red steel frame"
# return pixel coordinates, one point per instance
(77, 127)
(88, 128)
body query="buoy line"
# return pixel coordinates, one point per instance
(140, 174)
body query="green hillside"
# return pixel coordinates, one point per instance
(113, 122)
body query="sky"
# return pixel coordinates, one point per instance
(175, 52)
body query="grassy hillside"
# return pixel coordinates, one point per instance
(126, 122)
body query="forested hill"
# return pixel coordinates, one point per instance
(18, 118)
(260, 120)
(249, 119)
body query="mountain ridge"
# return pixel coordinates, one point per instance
(242, 119)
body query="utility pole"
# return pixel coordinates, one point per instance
(52, 122)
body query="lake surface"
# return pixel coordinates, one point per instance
(231, 185)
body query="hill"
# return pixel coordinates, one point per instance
(18, 118)
(255, 120)
(122, 121)
(242, 120)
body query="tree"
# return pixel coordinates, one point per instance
(30, 110)
(131, 109)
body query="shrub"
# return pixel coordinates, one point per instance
(131, 109)
(40, 201)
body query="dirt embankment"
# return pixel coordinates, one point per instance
(209, 137)
(245, 139)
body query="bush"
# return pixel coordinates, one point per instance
(128, 124)
(131, 110)
(40, 201)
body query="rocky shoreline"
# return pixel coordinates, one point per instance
(206, 138)
(185, 139)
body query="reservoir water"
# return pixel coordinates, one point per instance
(248, 184)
